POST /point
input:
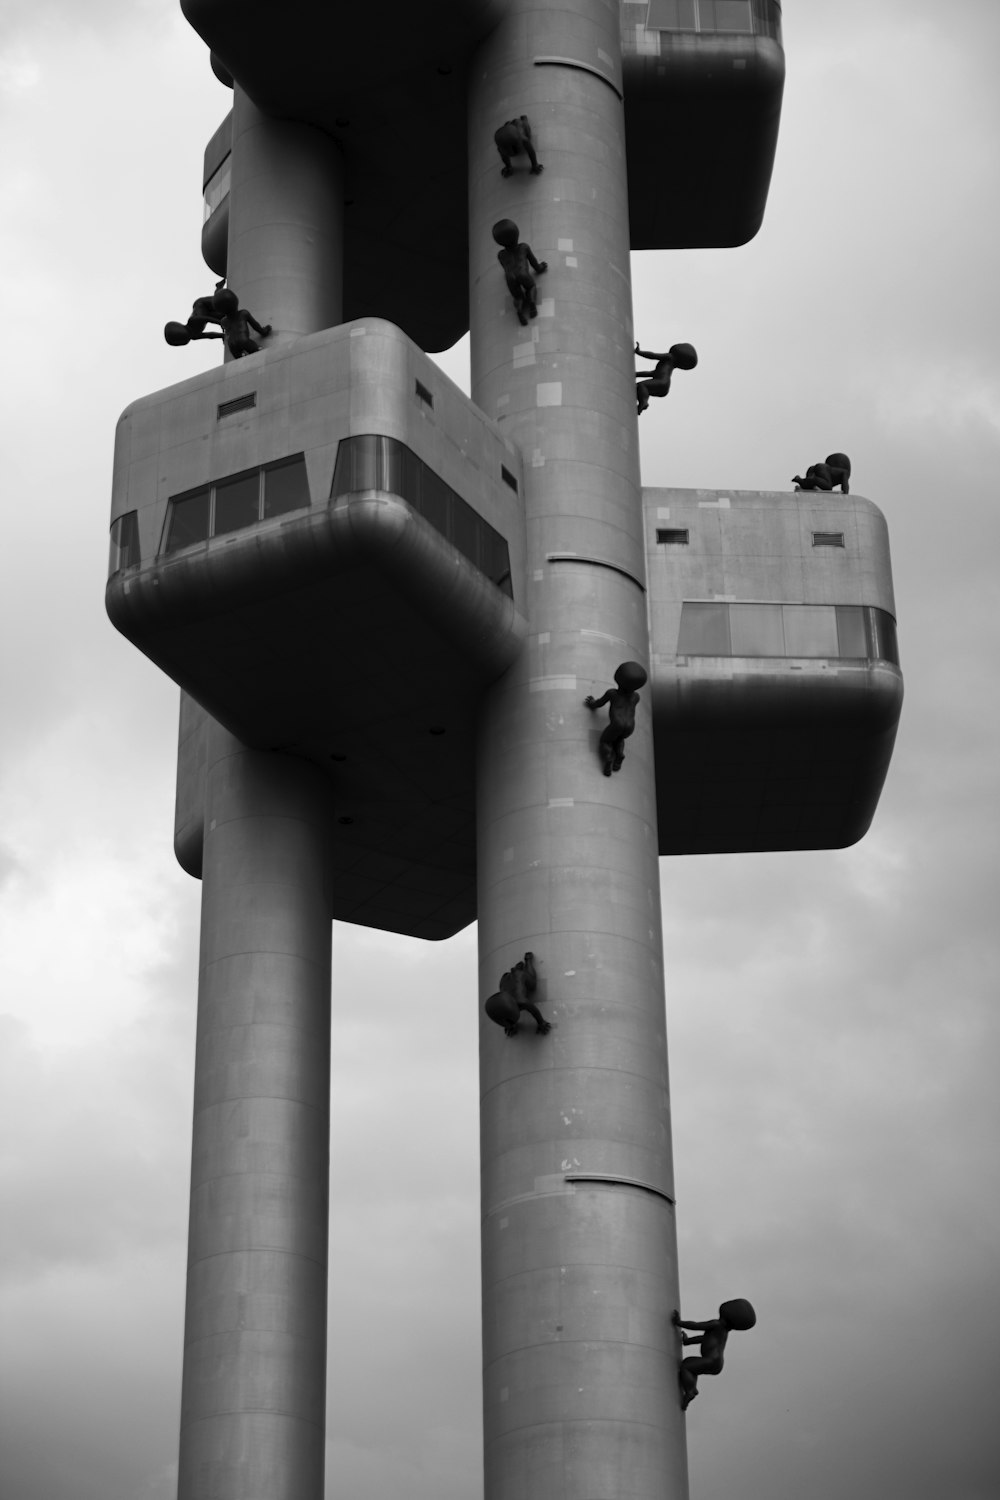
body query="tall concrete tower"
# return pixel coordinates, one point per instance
(386, 604)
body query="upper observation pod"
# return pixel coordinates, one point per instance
(324, 546)
(776, 688)
(701, 82)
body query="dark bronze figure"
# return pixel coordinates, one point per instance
(236, 327)
(836, 469)
(221, 307)
(736, 1314)
(514, 139)
(211, 309)
(623, 699)
(516, 988)
(657, 382)
(221, 304)
(518, 262)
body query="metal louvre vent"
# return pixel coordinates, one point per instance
(238, 403)
(423, 394)
(828, 538)
(508, 477)
(675, 536)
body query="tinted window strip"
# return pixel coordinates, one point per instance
(371, 461)
(194, 516)
(862, 632)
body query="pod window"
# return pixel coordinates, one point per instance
(234, 503)
(370, 461)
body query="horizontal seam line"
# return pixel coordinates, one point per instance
(255, 1250)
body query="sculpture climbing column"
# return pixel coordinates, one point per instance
(580, 1359)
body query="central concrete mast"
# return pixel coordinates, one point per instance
(579, 1248)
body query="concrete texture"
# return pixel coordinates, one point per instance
(253, 1399)
(579, 1280)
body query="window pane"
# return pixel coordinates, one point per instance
(286, 487)
(767, 18)
(704, 630)
(356, 465)
(465, 529)
(124, 541)
(496, 558)
(187, 521)
(434, 498)
(218, 186)
(662, 15)
(237, 503)
(411, 479)
(756, 630)
(733, 15)
(810, 630)
(851, 631)
(390, 466)
(882, 643)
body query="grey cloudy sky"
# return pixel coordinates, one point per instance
(833, 1017)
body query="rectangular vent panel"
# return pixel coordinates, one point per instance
(828, 538)
(238, 403)
(673, 536)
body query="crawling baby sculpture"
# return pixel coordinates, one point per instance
(836, 469)
(514, 139)
(738, 1314)
(514, 995)
(221, 307)
(518, 262)
(622, 700)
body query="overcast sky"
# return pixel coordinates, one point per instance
(833, 1017)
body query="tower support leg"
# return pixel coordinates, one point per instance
(580, 1360)
(286, 223)
(254, 1382)
(253, 1406)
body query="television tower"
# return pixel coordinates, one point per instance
(386, 605)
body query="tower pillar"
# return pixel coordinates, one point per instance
(579, 1251)
(253, 1406)
(254, 1382)
(286, 222)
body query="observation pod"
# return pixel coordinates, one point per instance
(702, 85)
(323, 546)
(776, 686)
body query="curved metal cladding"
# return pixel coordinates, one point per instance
(776, 687)
(579, 1276)
(253, 1399)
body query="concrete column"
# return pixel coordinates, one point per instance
(579, 1252)
(254, 1386)
(253, 1406)
(286, 212)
